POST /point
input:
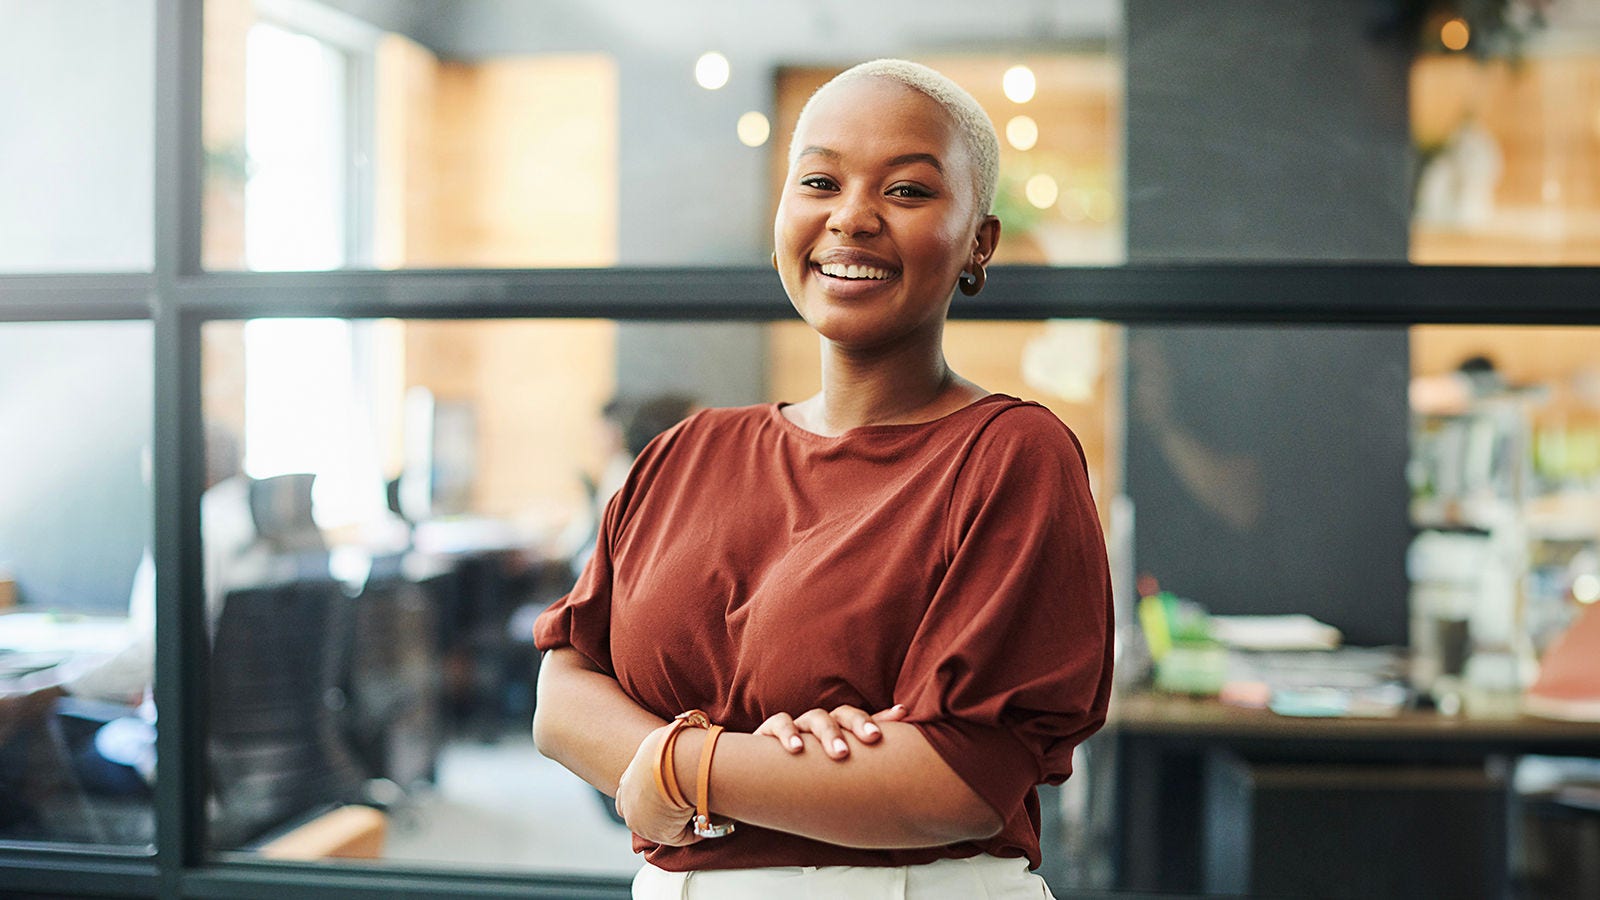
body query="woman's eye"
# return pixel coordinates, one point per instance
(909, 191)
(819, 182)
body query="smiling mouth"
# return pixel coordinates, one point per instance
(855, 273)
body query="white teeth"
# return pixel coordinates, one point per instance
(839, 270)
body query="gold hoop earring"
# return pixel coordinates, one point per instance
(971, 283)
(774, 260)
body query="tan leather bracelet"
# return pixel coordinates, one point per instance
(702, 819)
(665, 771)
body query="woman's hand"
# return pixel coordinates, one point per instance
(639, 801)
(830, 728)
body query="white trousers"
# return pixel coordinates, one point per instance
(976, 878)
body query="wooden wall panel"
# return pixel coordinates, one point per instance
(227, 22)
(525, 164)
(536, 387)
(1564, 358)
(1544, 113)
(404, 195)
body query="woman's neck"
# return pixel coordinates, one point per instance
(901, 386)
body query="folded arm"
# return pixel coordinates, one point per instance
(890, 793)
(893, 793)
(584, 721)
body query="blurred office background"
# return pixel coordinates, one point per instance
(412, 491)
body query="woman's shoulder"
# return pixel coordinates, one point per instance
(706, 427)
(731, 416)
(1012, 430)
(719, 422)
(1009, 418)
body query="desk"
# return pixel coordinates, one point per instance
(34, 643)
(42, 785)
(1171, 752)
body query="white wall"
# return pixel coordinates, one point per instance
(75, 401)
(76, 135)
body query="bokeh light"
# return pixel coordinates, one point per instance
(711, 70)
(1019, 84)
(1022, 132)
(754, 129)
(1041, 191)
(1586, 588)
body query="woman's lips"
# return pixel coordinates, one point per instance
(850, 280)
(854, 272)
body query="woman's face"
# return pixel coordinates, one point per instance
(877, 217)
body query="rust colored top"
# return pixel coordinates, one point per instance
(749, 567)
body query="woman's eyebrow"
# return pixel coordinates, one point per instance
(908, 158)
(820, 151)
(901, 160)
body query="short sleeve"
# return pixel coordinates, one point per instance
(1010, 668)
(582, 619)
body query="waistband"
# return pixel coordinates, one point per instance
(974, 878)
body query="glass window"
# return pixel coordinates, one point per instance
(398, 606)
(76, 135)
(77, 585)
(586, 135)
(409, 494)
(490, 444)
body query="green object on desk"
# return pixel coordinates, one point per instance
(1155, 622)
(1169, 621)
(1195, 668)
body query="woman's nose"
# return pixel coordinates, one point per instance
(855, 213)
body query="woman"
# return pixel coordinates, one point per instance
(903, 541)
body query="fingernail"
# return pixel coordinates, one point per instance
(794, 742)
(840, 747)
(870, 728)
(898, 706)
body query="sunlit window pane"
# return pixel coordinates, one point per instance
(295, 146)
(305, 412)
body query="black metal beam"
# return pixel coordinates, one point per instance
(338, 882)
(181, 646)
(1283, 294)
(74, 874)
(70, 298)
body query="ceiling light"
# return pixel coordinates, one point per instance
(711, 70)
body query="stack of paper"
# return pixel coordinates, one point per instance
(1291, 632)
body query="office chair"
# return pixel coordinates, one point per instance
(276, 749)
(393, 683)
(281, 507)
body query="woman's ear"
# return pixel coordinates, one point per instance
(986, 240)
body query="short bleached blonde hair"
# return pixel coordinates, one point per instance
(973, 124)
